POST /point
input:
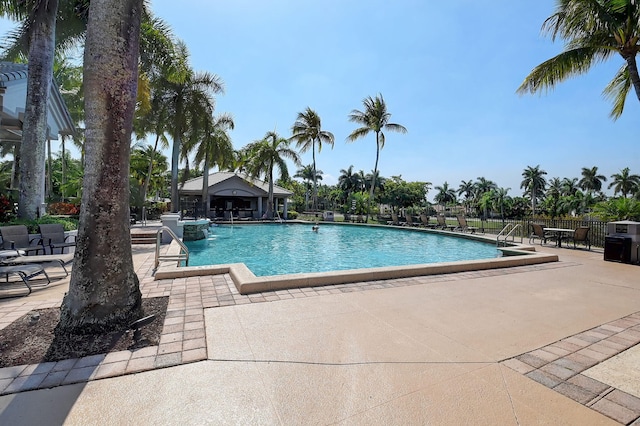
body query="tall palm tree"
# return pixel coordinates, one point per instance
(591, 181)
(593, 30)
(308, 176)
(534, 183)
(569, 186)
(104, 292)
(554, 192)
(307, 132)
(62, 25)
(466, 189)
(214, 147)
(499, 200)
(482, 187)
(349, 181)
(445, 195)
(266, 155)
(187, 94)
(374, 118)
(624, 182)
(38, 32)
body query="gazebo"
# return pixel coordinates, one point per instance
(234, 195)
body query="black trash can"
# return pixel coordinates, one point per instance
(617, 248)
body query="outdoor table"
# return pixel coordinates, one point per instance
(559, 233)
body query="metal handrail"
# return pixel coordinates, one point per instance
(184, 251)
(511, 228)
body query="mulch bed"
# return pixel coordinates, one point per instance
(31, 340)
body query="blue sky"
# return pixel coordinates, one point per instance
(448, 72)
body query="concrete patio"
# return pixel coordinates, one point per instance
(540, 344)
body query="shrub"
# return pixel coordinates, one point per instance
(292, 214)
(7, 211)
(64, 209)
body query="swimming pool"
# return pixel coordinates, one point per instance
(277, 249)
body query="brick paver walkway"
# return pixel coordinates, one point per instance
(559, 366)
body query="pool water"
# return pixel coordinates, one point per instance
(276, 249)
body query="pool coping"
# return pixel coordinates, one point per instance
(247, 282)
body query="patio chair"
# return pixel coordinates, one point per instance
(25, 272)
(580, 235)
(424, 221)
(539, 233)
(410, 221)
(16, 237)
(53, 236)
(463, 226)
(395, 220)
(442, 223)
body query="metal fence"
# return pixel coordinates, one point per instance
(597, 232)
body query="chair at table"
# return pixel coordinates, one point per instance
(16, 237)
(53, 236)
(580, 235)
(539, 233)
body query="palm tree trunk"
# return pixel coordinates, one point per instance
(373, 179)
(270, 195)
(205, 186)
(34, 130)
(49, 163)
(315, 183)
(632, 67)
(64, 168)
(104, 292)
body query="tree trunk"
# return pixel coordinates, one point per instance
(34, 129)
(632, 67)
(64, 169)
(49, 163)
(175, 157)
(315, 180)
(205, 188)
(104, 292)
(373, 178)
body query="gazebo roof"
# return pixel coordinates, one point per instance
(13, 95)
(226, 180)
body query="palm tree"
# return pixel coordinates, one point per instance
(553, 194)
(499, 200)
(482, 187)
(308, 176)
(534, 183)
(307, 132)
(374, 118)
(104, 292)
(624, 182)
(569, 186)
(349, 181)
(214, 148)
(466, 188)
(445, 195)
(186, 94)
(268, 154)
(593, 30)
(38, 29)
(591, 181)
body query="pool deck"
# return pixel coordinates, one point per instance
(554, 343)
